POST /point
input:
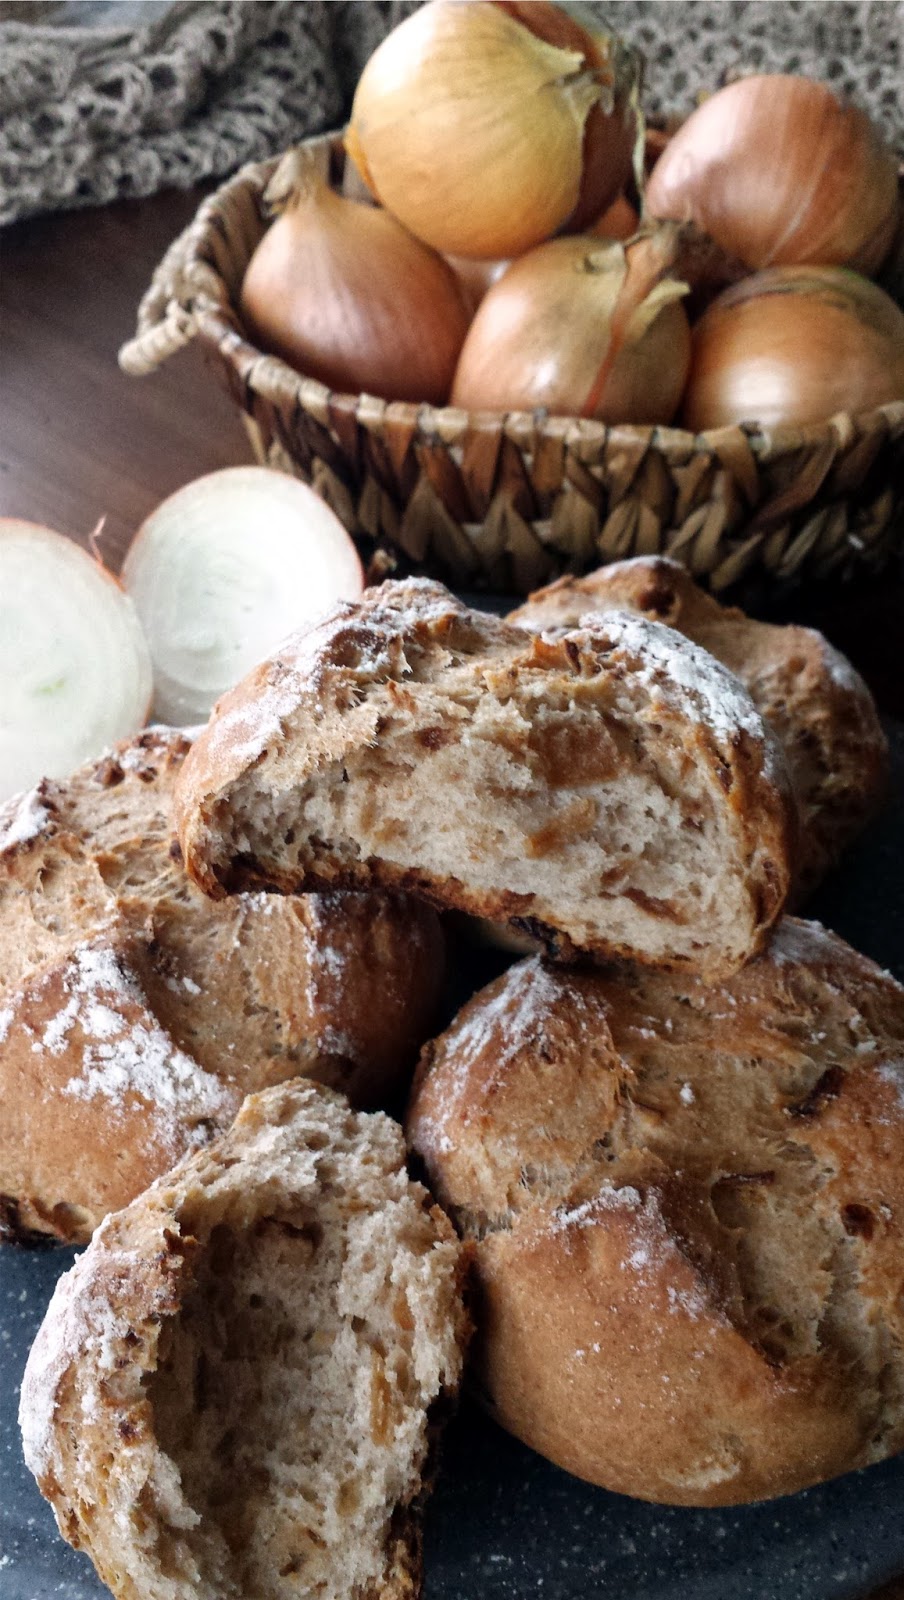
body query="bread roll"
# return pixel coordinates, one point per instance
(98, 1100)
(818, 707)
(614, 788)
(688, 1204)
(237, 995)
(232, 1394)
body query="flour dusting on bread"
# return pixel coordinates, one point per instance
(584, 1214)
(614, 786)
(22, 819)
(666, 658)
(124, 1054)
(233, 1392)
(699, 1188)
(516, 1013)
(893, 1072)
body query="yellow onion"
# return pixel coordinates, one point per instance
(795, 345)
(779, 172)
(486, 127)
(476, 276)
(618, 221)
(343, 293)
(581, 328)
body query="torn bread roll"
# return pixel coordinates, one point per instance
(246, 993)
(613, 788)
(808, 693)
(235, 1389)
(688, 1208)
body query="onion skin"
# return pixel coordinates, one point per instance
(792, 346)
(343, 293)
(488, 126)
(618, 221)
(779, 172)
(476, 276)
(580, 328)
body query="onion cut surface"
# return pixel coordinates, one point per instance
(223, 570)
(75, 671)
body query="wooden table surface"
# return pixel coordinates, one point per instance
(81, 441)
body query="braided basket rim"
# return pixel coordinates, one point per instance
(508, 500)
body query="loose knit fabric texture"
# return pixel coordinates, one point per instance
(103, 101)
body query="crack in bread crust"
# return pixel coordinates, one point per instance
(817, 705)
(676, 1189)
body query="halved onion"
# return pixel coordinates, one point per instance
(223, 570)
(75, 673)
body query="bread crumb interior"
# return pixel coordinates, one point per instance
(587, 820)
(290, 1404)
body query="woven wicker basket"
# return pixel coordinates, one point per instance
(509, 502)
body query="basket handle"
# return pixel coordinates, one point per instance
(167, 316)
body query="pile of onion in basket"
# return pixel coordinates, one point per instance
(503, 144)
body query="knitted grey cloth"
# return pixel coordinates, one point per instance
(100, 100)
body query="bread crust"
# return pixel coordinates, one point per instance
(98, 1100)
(92, 1412)
(341, 988)
(688, 1208)
(410, 668)
(819, 708)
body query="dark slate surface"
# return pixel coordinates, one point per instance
(504, 1524)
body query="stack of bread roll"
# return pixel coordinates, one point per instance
(136, 1013)
(668, 1144)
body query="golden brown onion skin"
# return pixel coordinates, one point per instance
(608, 135)
(476, 276)
(556, 332)
(780, 172)
(482, 125)
(344, 294)
(618, 221)
(795, 345)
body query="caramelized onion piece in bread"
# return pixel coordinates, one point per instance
(122, 985)
(234, 1391)
(613, 788)
(808, 693)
